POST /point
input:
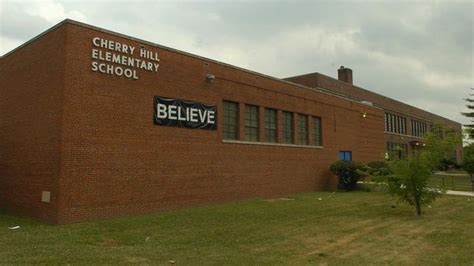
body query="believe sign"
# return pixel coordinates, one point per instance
(182, 113)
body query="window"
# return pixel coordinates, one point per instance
(302, 129)
(395, 123)
(418, 129)
(231, 120)
(251, 123)
(345, 155)
(317, 132)
(399, 124)
(288, 127)
(404, 125)
(392, 123)
(270, 125)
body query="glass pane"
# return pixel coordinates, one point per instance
(288, 127)
(251, 123)
(230, 126)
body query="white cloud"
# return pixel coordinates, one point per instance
(8, 44)
(50, 10)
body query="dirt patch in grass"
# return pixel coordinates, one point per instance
(278, 199)
(109, 243)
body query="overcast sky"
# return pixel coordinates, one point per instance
(419, 52)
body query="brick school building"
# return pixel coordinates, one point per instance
(97, 124)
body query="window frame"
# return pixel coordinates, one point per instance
(344, 154)
(252, 123)
(317, 131)
(269, 123)
(303, 125)
(226, 125)
(288, 135)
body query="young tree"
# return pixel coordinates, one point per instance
(470, 114)
(409, 181)
(468, 159)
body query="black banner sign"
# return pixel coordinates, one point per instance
(182, 113)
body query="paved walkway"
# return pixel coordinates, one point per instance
(453, 174)
(461, 193)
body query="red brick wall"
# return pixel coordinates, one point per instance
(31, 94)
(114, 161)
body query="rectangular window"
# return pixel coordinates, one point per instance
(418, 128)
(231, 120)
(399, 124)
(392, 120)
(345, 155)
(302, 129)
(287, 127)
(251, 123)
(270, 125)
(395, 123)
(389, 123)
(404, 125)
(317, 132)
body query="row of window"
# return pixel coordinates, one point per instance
(395, 123)
(398, 124)
(252, 128)
(418, 128)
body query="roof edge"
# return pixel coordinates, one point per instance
(81, 24)
(375, 93)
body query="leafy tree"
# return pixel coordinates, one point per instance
(468, 159)
(409, 181)
(470, 114)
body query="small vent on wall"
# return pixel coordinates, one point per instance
(45, 196)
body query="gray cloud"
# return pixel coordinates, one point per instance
(15, 23)
(417, 52)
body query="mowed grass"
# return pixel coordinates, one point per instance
(313, 228)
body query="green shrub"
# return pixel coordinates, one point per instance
(379, 171)
(447, 164)
(348, 172)
(378, 168)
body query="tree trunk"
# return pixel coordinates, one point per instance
(418, 208)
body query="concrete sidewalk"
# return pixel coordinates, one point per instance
(460, 193)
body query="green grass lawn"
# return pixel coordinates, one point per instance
(342, 228)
